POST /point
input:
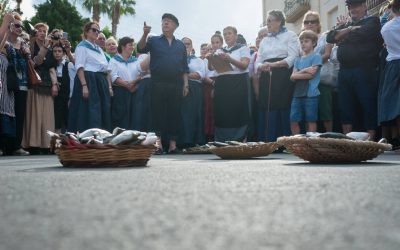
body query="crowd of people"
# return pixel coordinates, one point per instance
(286, 84)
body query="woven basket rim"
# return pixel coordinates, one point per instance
(310, 140)
(245, 151)
(332, 150)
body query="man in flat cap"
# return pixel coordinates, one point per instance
(169, 72)
(359, 42)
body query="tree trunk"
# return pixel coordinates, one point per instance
(116, 14)
(96, 11)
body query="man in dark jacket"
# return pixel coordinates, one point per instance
(169, 73)
(359, 42)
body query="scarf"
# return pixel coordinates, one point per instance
(90, 46)
(119, 58)
(236, 47)
(275, 34)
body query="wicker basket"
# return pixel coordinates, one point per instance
(328, 150)
(105, 156)
(245, 151)
(198, 150)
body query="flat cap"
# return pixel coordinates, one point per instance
(355, 1)
(171, 17)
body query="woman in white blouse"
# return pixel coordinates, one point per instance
(90, 101)
(231, 90)
(125, 74)
(192, 132)
(389, 90)
(275, 59)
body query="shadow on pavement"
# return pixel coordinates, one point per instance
(78, 169)
(342, 165)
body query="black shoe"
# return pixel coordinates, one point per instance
(159, 151)
(175, 151)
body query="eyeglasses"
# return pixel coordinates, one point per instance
(187, 44)
(311, 22)
(95, 30)
(271, 20)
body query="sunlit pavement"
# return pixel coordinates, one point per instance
(200, 202)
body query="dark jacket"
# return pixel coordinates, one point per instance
(361, 47)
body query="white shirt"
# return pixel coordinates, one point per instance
(243, 52)
(208, 73)
(197, 65)
(391, 34)
(251, 64)
(284, 45)
(320, 48)
(72, 74)
(141, 58)
(90, 60)
(125, 71)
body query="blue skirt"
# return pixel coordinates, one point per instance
(192, 111)
(93, 112)
(7, 126)
(121, 108)
(141, 106)
(389, 93)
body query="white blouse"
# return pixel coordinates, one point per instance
(197, 65)
(243, 52)
(125, 71)
(391, 34)
(284, 45)
(141, 58)
(90, 60)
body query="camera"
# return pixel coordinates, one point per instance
(55, 37)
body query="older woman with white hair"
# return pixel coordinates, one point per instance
(275, 59)
(111, 48)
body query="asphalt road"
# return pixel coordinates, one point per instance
(200, 202)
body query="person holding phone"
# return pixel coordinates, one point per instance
(40, 107)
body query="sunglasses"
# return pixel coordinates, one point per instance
(311, 22)
(95, 30)
(17, 25)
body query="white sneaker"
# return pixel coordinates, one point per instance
(21, 152)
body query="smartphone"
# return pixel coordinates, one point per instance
(65, 35)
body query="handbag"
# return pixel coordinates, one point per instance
(330, 70)
(33, 77)
(12, 79)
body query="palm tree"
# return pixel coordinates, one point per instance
(117, 9)
(97, 7)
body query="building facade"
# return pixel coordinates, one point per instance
(328, 10)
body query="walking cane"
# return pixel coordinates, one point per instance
(268, 105)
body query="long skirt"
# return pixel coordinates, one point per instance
(276, 94)
(231, 107)
(39, 118)
(121, 108)
(389, 93)
(93, 112)
(141, 106)
(193, 116)
(275, 98)
(208, 110)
